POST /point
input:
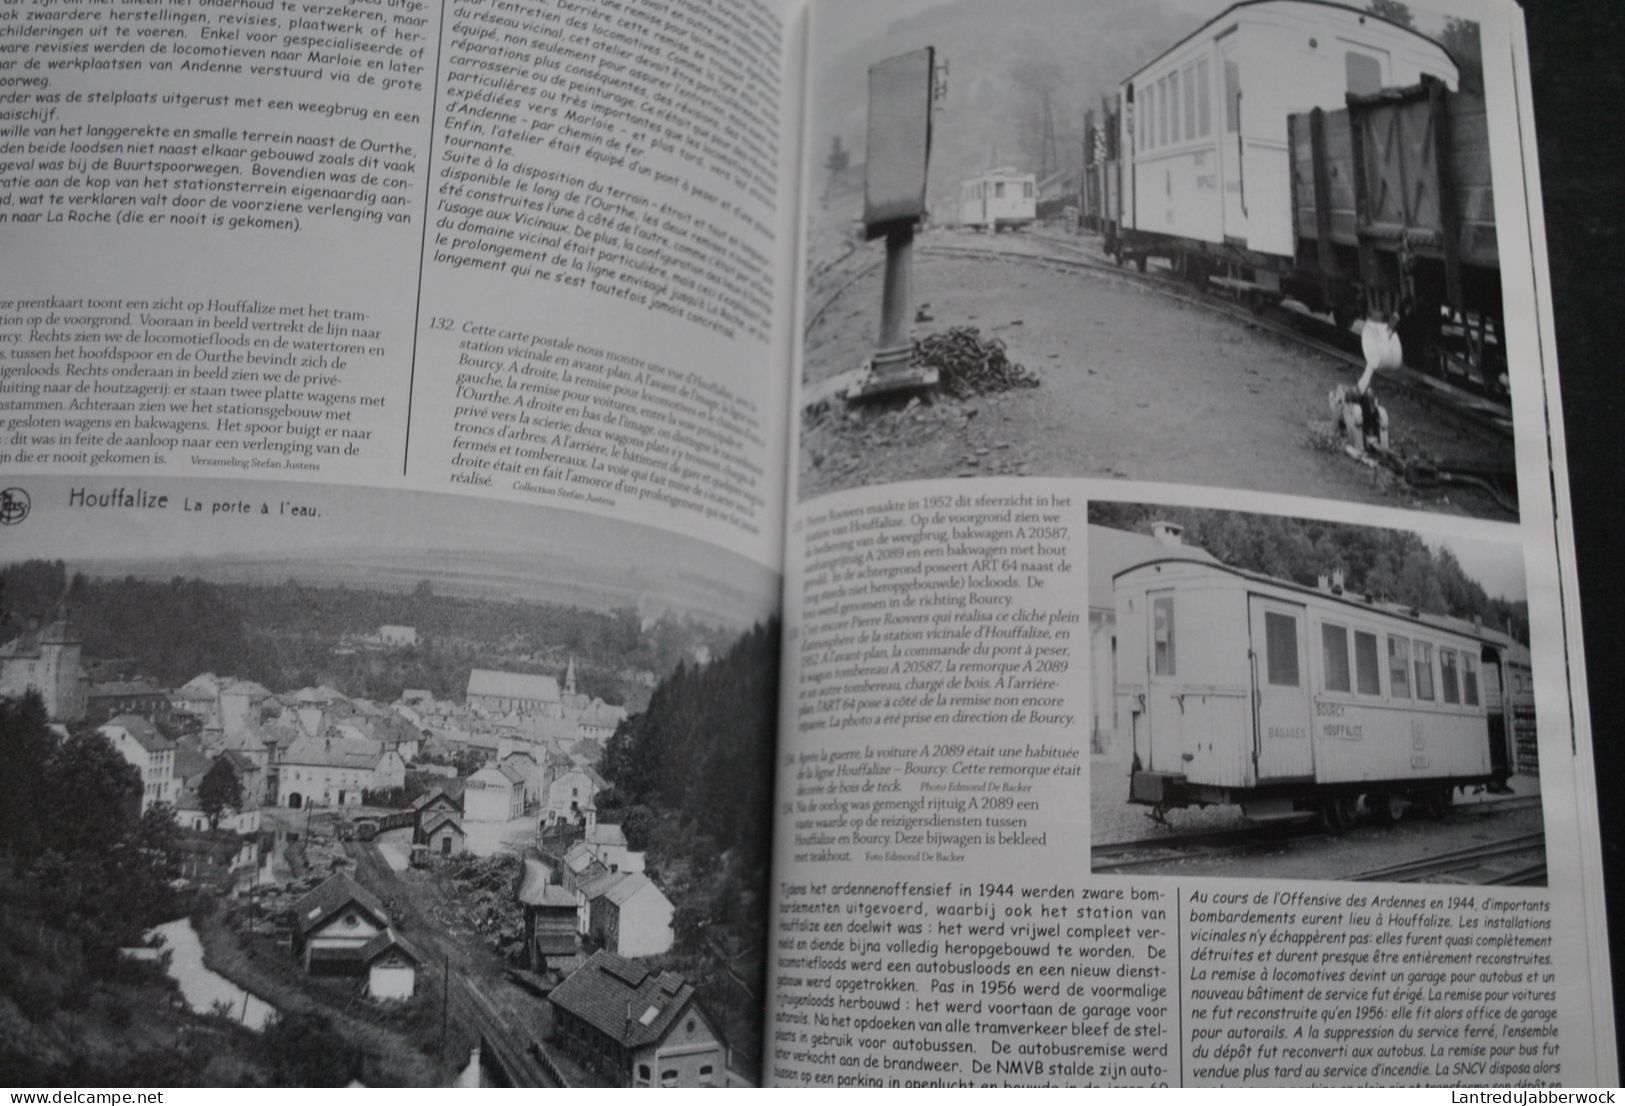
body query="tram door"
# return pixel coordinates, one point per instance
(1280, 689)
(1498, 711)
(1163, 718)
(1233, 145)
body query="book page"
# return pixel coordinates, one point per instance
(1182, 682)
(392, 408)
(531, 251)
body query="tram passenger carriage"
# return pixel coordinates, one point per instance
(1308, 149)
(1002, 198)
(1243, 689)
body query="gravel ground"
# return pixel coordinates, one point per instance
(1135, 386)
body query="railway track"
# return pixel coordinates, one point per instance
(1151, 852)
(1512, 862)
(1481, 415)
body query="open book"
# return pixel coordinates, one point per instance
(785, 542)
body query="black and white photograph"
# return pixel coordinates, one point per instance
(1276, 697)
(1250, 245)
(323, 786)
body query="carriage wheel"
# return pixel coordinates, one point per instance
(1386, 806)
(1438, 802)
(1337, 812)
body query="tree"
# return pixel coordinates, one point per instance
(96, 793)
(1395, 11)
(26, 744)
(220, 789)
(305, 1050)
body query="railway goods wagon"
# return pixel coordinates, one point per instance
(1244, 689)
(1393, 209)
(1203, 132)
(1002, 198)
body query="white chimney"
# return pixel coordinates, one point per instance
(1323, 582)
(1337, 581)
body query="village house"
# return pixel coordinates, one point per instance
(443, 834)
(108, 698)
(334, 771)
(570, 797)
(523, 762)
(631, 917)
(513, 692)
(48, 660)
(494, 794)
(429, 804)
(153, 755)
(551, 944)
(340, 928)
(637, 1027)
(608, 843)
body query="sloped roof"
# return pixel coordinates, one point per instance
(143, 732)
(385, 941)
(579, 857)
(631, 887)
(512, 685)
(607, 833)
(432, 794)
(600, 884)
(623, 999)
(327, 752)
(440, 819)
(191, 762)
(122, 688)
(511, 772)
(331, 896)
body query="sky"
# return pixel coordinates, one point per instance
(1497, 566)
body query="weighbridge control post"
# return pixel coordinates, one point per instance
(901, 92)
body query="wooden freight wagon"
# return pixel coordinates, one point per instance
(1393, 211)
(1244, 689)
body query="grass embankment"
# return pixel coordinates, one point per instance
(72, 1016)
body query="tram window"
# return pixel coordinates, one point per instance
(1162, 615)
(1424, 671)
(1027, 189)
(1143, 110)
(1363, 73)
(1367, 680)
(1334, 645)
(1449, 684)
(1232, 97)
(1281, 649)
(1399, 667)
(1469, 679)
(1162, 111)
(998, 190)
(1204, 114)
(1190, 103)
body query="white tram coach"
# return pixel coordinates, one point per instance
(1240, 688)
(1203, 130)
(1000, 199)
